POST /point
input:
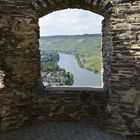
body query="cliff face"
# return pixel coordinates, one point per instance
(20, 83)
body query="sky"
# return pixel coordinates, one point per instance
(70, 22)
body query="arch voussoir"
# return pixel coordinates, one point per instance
(102, 7)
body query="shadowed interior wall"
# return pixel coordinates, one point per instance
(21, 90)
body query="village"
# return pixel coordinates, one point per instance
(57, 78)
(52, 74)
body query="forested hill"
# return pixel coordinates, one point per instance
(87, 48)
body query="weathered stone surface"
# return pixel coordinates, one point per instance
(55, 130)
(70, 105)
(20, 86)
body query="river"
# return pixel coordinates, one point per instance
(82, 77)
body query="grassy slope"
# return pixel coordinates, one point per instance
(87, 48)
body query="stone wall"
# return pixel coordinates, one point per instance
(21, 91)
(124, 103)
(19, 62)
(70, 105)
(106, 53)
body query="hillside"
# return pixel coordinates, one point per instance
(86, 48)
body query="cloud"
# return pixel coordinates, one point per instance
(70, 22)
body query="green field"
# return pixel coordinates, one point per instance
(86, 48)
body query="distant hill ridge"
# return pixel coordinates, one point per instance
(71, 36)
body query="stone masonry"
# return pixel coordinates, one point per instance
(24, 100)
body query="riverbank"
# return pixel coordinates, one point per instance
(82, 76)
(52, 74)
(86, 49)
(92, 65)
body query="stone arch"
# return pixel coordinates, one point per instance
(101, 7)
(20, 61)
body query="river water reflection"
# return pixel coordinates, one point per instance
(82, 77)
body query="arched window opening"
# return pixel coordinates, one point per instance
(70, 45)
